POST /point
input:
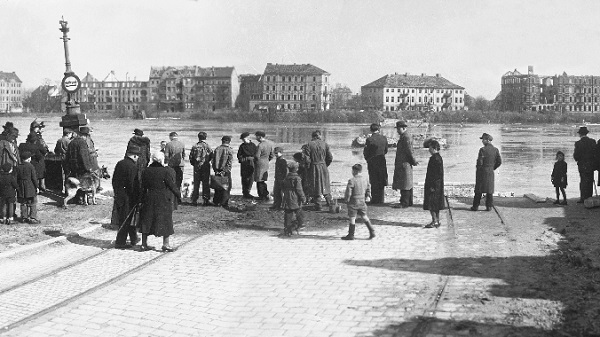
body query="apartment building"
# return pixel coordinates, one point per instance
(404, 92)
(11, 93)
(564, 93)
(293, 87)
(112, 94)
(193, 88)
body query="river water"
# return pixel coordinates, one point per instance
(528, 151)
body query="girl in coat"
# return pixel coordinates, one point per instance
(433, 199)
(559, 177)
(158, 194)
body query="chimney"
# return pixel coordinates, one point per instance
(437, 75)
(395, 73)
(405, 74)
(422, 74)
(530, 70)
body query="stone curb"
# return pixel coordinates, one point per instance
(37, 245)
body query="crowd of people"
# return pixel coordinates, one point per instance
(147, 186)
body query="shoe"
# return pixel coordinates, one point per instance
(136, 242)
(474, 208)
(580, 201)
(487, 209)
(195, 203)
(146, 248)
(430, 225)
(248, 196)
(167, 249)
(122, 246)
(208, 203)
(556, 202)
(564, 202)
(99, 189)
(33, 221)
(350, 235)
(399, 206)
(274, 208)
(437, 224)
(24, 220)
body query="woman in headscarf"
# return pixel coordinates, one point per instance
(158, 194)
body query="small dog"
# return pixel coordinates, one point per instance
(188, 187)
(88, 183)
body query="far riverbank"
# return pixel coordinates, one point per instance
(353, 116)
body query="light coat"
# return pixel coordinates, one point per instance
(317, 157)
(487, 161)
(264, 154)
(403, 165)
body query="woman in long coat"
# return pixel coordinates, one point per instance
(317, 157)
(433, 193)
(403, 171)
(158, 193)
(38, 152)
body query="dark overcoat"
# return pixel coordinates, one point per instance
(245, 156)
(158, 194)
(403, 171)
(293, 195)
(585, 154)
(374, 153)
(264, 154)
(78, 157)
(317, 157)
(38, 152)
(8, 186)
(433, 193)
(559, 174)
(126, 187)
(26, 180)
(487, 161)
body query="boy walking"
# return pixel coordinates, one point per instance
(357, 190)
(281, 171)
(27, 191)
(8, 191)
(293, 198)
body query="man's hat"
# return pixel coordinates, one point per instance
(278, 149)
(36, 124)
(401, 124)
(134, 149)
(25, 155)
(226, 139)
(202, 135)
(6, 167)
(485, 136)
(374, 127)
(84, 130)
(244, 135)
(583, 130)
(8, 125)
(173, 134)
(138, 132)
(260, 134)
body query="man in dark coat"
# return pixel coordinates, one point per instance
(403, 166)
(245, 156)
(138, 139)
(264, 154)
(317, 157)
(374, 152)
(38, 152)
(487, 161)
(200, 157)
(61, 150)
(78, 156)
(221, 164)
(585, 157)
(126, 187)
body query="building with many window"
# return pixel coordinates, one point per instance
(565, 93)
(250, 90)
(293, 87)
(193, 88)
(11, 93)
(111, 94)
(401, 92)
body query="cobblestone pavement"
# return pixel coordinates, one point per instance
(408, 281)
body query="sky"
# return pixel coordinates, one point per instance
(472, 43)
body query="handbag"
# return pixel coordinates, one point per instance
(218, 182)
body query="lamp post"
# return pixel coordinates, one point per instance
(70, 84)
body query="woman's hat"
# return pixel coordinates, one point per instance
(583, 130)
(138, 132)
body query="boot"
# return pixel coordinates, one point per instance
(371, 230)
(350, 235)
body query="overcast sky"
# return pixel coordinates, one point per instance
(469, 42)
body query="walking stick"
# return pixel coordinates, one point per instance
(450, 220)
(129, 216)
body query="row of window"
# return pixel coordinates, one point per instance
(273, 97)
(415, 108)
(289, 88)
(282, 78)
(113, 92)
(189, 81)
(424, 100)
(10, 92)
(10, 84)
(10, 98)
(112, 84)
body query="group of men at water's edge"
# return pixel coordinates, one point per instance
(147, 186)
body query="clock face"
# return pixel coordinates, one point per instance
(71, 83)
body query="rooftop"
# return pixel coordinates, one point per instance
(412, 81)
(9, 76)
(305, 69)
(191, 71)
